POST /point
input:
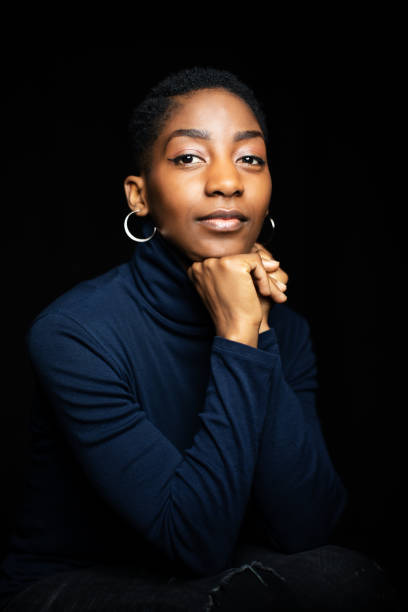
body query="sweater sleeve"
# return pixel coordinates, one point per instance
(297, 494)
(190, 505)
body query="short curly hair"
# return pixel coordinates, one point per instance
(150, 115)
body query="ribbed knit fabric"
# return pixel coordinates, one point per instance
(152, 437)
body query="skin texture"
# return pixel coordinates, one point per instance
(229, 269)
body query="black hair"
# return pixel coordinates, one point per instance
(150, 115)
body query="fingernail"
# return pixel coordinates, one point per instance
(281, 286)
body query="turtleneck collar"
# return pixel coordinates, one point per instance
(165, 288)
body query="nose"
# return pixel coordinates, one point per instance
(223, 178)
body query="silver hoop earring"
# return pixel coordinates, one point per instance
(266, 235)
(131, 235)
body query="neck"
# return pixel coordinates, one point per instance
(162, 282)
(181, 257)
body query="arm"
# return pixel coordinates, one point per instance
(189, 506)
(297, 492)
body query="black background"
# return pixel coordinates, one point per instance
(333, 120)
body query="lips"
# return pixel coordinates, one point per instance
(223, 213)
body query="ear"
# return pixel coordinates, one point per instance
(135, 190)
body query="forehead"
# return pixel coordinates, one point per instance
(214, 109)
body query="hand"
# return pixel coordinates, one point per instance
(229, 287)
(278, 283)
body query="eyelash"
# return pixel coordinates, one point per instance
(175, 159)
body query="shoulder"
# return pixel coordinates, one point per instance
(96, 307)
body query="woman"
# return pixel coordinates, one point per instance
(178, 462)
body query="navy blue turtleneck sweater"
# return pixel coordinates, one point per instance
(156, 442)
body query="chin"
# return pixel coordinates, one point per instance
(222, 249)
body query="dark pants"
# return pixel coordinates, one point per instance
(326, 578)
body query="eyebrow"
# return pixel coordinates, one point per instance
(205, 135)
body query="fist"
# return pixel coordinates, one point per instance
(278, 280)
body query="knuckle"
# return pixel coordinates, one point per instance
(226, 262)
(208, 263)
(195, 269)
(199, 265)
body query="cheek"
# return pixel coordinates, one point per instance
(179, 205)
(264, 190)
(267, 189)
(162, 202)
(169, 216)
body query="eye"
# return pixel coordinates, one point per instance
(176, 160)
(260, 161)
(187, 157)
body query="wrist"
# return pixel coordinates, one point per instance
(245, 334)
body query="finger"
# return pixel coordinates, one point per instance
(262, 252)
(274, 266)
(256, 247)
(260, 276)
(265, 255)
(267, 258)
(190, 273)
(276, 276)
(276, 294)
(276, 291)
(279, 282)
(283, 277)
(270, 264)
